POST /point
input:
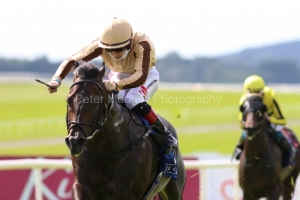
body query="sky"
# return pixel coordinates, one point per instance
(59, 28)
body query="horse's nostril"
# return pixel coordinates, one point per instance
(81, 141)
(67, 142)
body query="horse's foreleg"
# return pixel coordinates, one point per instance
(288, 188)
(173, 190)
(274, 192)
(249, 197)
(79, 192)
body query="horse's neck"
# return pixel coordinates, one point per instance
(114, 133)
(118, 117)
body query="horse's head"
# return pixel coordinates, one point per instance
(253, 111)
(86, 103)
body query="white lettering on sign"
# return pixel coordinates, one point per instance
(61, 193)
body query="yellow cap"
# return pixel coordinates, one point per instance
(254, 83)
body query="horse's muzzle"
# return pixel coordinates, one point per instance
(252, 132)
(75, 144)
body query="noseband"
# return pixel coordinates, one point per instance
(100, 122)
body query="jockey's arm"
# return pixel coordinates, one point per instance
(241, 102)
(86, 54)
(142, 66)
(240, 120)
(276, 117)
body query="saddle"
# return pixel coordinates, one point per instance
(287, 145)
(290, 136)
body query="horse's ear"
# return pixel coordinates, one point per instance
(77, 63)
(101, 71)
(245, 106)
(242, 108)
(264, 108)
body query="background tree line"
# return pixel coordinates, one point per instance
(276, 64)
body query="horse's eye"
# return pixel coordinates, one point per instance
(264, 108)
(242, 108)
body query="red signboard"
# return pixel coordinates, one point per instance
(57, 184)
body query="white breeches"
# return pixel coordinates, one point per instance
(134, 96)
(277, 127)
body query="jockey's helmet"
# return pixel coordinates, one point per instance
(116, 34)
(254, 83)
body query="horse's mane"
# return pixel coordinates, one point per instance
(85, 70)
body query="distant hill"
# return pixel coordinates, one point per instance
(289, 51)
(278, 63)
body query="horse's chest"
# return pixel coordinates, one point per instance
(112, 180)
(258, 170)
(261, 174)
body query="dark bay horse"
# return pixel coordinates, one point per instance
(113, 157)
(261, 173)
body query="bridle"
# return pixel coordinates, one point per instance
(97, 121)
(257, 128)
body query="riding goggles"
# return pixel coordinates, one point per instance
(118, 50)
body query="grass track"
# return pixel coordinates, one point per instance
(29, 112)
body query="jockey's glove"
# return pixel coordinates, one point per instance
(110, 85)
(55, 83)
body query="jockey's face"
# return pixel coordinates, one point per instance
(117, 54)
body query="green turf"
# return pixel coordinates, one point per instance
(28, 111)
(221, 142)
(51, 150)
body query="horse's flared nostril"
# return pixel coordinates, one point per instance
(68, 142)
(74, 141)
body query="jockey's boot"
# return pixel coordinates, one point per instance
(286, 145)
(170, 140)
(239, 148)
(148, 114)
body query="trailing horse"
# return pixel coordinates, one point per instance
(262, 170)
(114, 155)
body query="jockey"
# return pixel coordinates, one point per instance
(255, 84)
(131, 58)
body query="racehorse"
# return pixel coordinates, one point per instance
(261, 169)
(113, 154)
